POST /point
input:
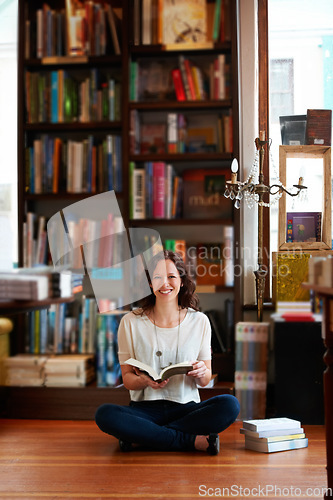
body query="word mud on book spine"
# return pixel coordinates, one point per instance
(177, 369)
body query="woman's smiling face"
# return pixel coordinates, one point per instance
(166, 281)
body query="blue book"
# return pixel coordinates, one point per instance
(54, 96)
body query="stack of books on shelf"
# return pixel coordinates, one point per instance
(273, 434)
(193, 79)
(321, 271)
(24, 370)
(93, 98)
(69, 371)
(54, 165)
(50, 371)
(36, 283)
(180, 133)
(83, 29)
(251, 368)
(157, 192)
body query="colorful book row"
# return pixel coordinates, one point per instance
(55, 165)
(61, 97)
(208, 264)
(179, 133)
(192, 79)
(64, 328)
(251, 346)
(155, 191)
(87, 28)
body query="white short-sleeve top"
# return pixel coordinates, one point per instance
(137, 339)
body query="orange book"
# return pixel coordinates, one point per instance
(180, 247)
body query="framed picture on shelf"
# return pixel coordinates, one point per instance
(305, 220)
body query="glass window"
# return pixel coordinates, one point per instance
(300, 39)
(8, 133)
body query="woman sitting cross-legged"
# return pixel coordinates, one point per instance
(167, 329)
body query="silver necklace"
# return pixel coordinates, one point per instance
(159, 352)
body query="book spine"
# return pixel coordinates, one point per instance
(138, 187)
(190, 81)
(181, 62)
(178, 84)
(172, 132)
(158, 190)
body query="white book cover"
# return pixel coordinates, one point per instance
(271, 433)
(293, 444)
(139, 202)
(271, 423)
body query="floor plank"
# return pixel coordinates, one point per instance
(74, 459)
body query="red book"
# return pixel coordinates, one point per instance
(189, 76)
(301, 316)
(158, 190)
(178, 84)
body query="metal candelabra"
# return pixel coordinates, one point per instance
(255, 192)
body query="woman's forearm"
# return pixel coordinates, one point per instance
(134, 382)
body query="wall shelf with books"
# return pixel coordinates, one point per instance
(40, 60)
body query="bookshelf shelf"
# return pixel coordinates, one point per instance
(72, 126)
(62, 195)
(170, 105)
(181, 157)
(19, 306)
(53, 401)
(179, 222)
(159, 49)
(75, 62)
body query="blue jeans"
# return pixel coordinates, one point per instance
(165, 425)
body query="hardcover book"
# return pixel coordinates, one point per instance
(319, 127)
(265, 424)
(292, 444)
(184, 21)
(210, 264)
(169, 371)
(293, 130)
(303, 226)
(153, 138)
(203, 194)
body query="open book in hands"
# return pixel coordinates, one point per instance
(169, 371)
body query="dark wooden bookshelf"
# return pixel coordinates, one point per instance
(21, 306)
(70, 402)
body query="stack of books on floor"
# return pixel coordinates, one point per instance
(24, 370)
(75, 370)
(273, 434)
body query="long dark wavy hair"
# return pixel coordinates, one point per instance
(186, 296)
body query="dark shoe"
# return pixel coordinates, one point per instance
(125, 446)
(213, 444)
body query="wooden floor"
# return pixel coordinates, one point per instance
(66, 459)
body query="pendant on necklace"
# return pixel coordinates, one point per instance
(159, 354)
